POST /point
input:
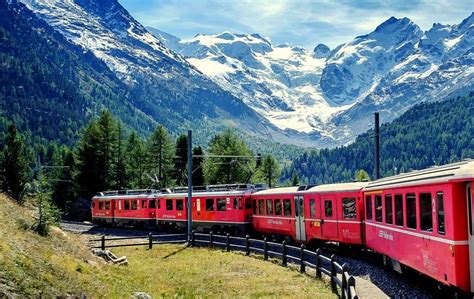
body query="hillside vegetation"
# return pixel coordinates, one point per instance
(61, 265)
(428, 134)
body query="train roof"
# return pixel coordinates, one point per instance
(435, 174)
(140, 193)
(282, 190)
(339, 187)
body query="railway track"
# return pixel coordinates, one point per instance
(368, 266)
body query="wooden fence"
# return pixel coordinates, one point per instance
(339, 276)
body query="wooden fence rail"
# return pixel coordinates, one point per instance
(339, 276)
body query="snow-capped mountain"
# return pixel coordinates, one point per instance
(163, 84)
(332, 94)
(290, 94)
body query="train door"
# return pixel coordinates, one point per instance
(314, 220)
(470, 230)
(299, 218)
(329, 217)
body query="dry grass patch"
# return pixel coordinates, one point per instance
(61, 264)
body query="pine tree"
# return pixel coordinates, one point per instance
(135, 160)
(294, 179)
(107, 150)
(270, 170)
(15, 165)
(64, 189)
(232, 169)
(181, 160)
(160, 156)
(89, 177)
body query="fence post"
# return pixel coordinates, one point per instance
(265, 249)
(284, 262)
(302, 264)
(350, 283)
(102, 242)
(193, 238)
(247, 245)
(345, 289)
(228, 242)
(150, 241)
(333, 273)
(318, 264)
(211, 240)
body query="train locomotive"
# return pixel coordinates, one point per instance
(421, 220)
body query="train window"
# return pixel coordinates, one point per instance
(349, 210)
(143, 204)
(269, 207)
(127, 204)
(152, 204)
(238, 203)
(261, 206)
(328, 208)
(158, 204)
(312, 208)
(248, 203)
(254, 207)
(209, 204)
(107, 205)
(399, 209)
(101, 205)
(440, 212)
(134, 205)
(378, 208)
(411, 210)
(179, 204)
(426, 212)
(221, 204)
(287, 207)
(368, 207)
(169, 204)
(278, 207)
(388, 209)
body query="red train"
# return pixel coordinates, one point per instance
(218, 208)
(422, 219)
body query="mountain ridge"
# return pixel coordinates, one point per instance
(389, 70)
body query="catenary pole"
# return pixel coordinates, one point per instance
(190, 184)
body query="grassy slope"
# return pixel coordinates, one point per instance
(33, 266)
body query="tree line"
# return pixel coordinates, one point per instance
(432, 133)
(109, 157)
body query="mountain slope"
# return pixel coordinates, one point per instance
(53, 87)
(331, 95)
(427, 134)
(162, 84)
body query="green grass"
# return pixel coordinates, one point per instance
(61, 265)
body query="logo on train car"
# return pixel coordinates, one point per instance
(385, 235)
(274, 221)
(348, 234)
(168, 216)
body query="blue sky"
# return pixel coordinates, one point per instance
(296, 22)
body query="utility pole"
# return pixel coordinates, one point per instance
(190, 184)
(377, 145)
(159, 166)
